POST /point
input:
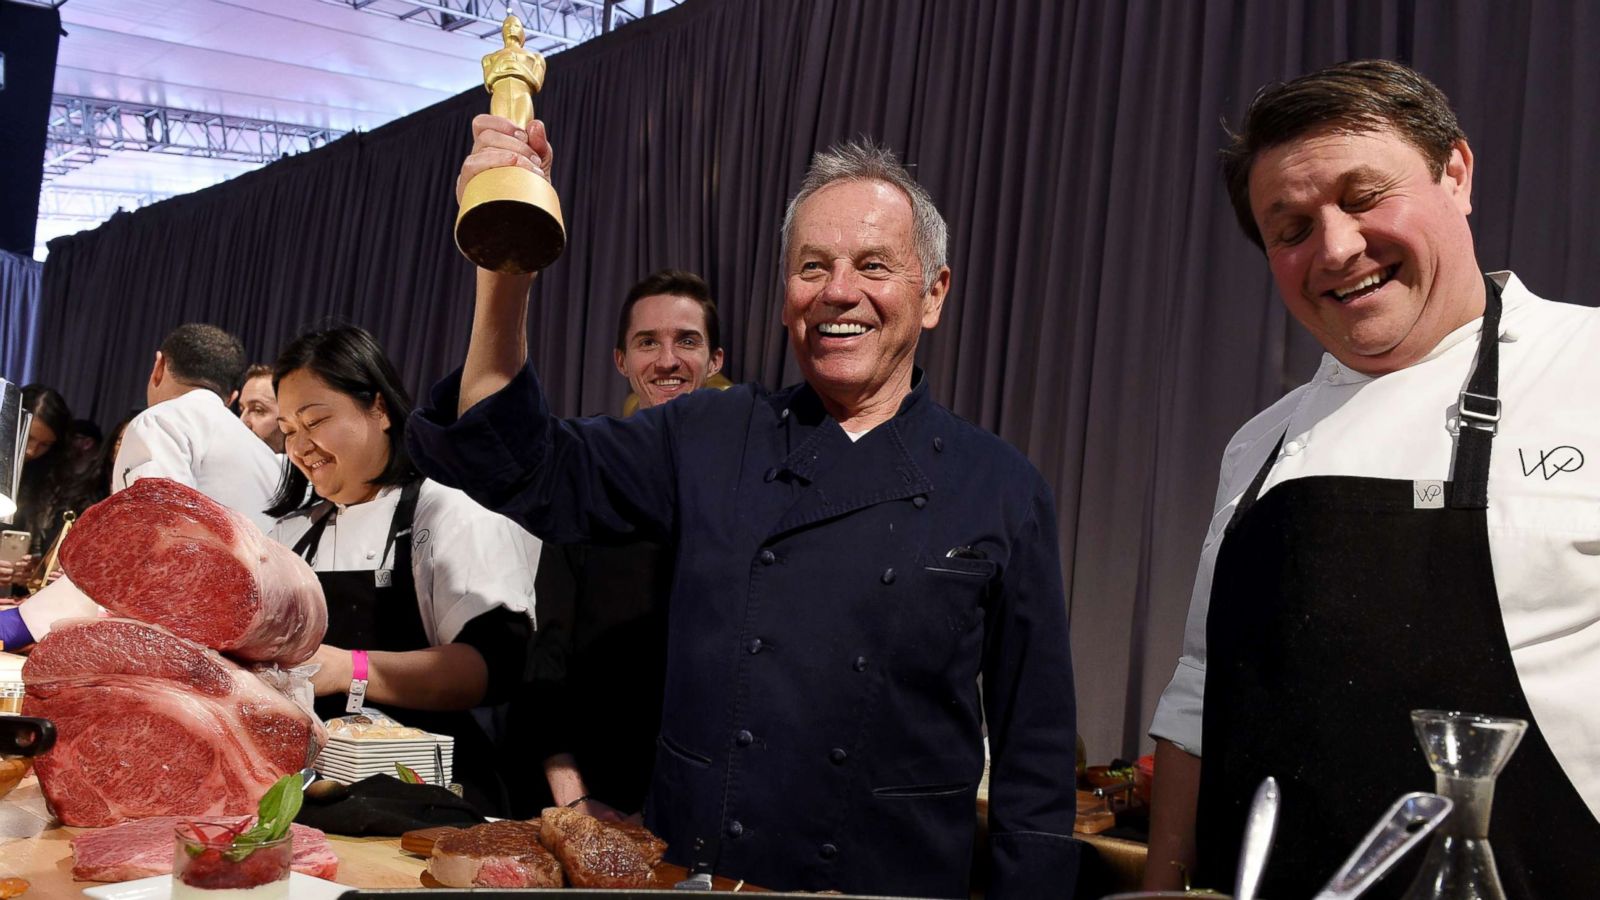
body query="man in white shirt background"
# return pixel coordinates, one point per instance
(189, 435)
(1413, 528)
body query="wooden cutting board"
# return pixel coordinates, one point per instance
(421, 841)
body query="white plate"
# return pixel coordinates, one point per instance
(429, 741)
(159, 887)
(445, 751)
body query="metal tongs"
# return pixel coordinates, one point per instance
(1407, 822)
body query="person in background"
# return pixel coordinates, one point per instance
(83, 445)
(106, 466)
(430, 596)
(50, 484)
(850, 558)
(258, 406)
(187, 432)
(594, 722)
(1412, 528)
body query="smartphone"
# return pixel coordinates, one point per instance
(14, 545)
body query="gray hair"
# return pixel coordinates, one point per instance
(863, 160)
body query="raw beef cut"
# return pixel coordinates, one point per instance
(165, 553)
(598, 854)
(496, 854)
(149, 724)
(144, 848)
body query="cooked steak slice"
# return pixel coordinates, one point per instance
(600, 854)
(497, 854)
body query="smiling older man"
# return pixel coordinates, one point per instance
(850, 558)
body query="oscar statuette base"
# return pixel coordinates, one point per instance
(510, 221)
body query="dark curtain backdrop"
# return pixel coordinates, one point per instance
(19, 316)
(1106, 317)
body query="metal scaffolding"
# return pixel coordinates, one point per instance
(83, 129)
(551, 25)
(82, 204)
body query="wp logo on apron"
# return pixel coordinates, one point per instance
(1550, 463)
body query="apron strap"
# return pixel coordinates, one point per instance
(306, 547)
(399, 526)
(1253, 492)
(1478, 412)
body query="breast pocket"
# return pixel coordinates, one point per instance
(950, 597)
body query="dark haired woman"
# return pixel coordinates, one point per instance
(429, 594)
(50, 486)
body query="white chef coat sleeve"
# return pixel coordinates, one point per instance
(156, 444)
(467, 560)
(1179, 712)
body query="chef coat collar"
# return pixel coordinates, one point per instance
(804, 407)
(1514, 295)
(383, 492)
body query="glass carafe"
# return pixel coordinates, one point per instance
(1466, 752)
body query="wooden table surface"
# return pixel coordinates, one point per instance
(34, 847)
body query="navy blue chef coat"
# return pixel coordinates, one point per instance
(821, 727)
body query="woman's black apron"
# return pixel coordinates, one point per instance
(1338, 605)
(377, 610)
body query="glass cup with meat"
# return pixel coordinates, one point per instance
(206, 863)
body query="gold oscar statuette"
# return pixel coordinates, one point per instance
(510, 219)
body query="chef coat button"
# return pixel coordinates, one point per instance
(919, 501)
(1293, 447)
(744, 738)
(938, 444)
(1508, 336)
(837, 756)
(829, 851)
(860, 665)
(888, 576)
(772, 475)
(735, 828)
(371, 554)
(754, 646)
(767, 557)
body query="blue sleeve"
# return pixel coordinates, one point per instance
(601, 480)
(14, 633)
(1031, 715)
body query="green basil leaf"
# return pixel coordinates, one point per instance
(276, 812)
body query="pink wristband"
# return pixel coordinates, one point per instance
(358, 665)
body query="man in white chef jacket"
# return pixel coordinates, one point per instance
(188, 434)
(1416, 527)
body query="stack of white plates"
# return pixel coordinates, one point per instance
(10, 683)
(350, 761)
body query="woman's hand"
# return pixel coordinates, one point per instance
(335, 673)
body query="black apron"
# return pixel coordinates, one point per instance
(377, 610)
(1338, 605)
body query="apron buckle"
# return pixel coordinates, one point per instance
(1479, 411)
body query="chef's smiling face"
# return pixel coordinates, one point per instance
(1370, 252)
(667, 354)
(854, 300)
(338, 442)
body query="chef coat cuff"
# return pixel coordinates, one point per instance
(487, 452)
(1180, 712)
(1032, 864)
(14, 633)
